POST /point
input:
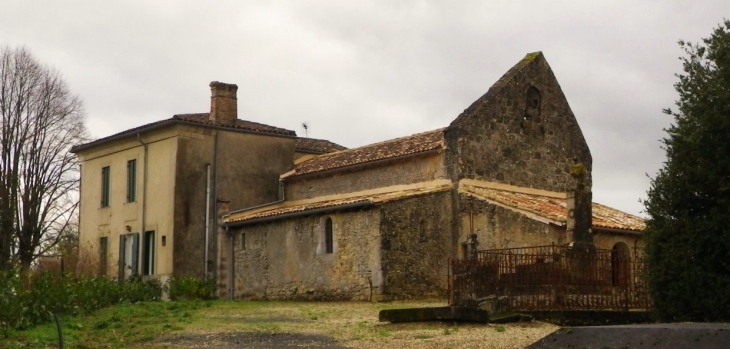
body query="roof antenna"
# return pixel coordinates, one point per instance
(305, 126)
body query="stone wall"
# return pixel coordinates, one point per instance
(498, 227)
(286, 259)
(416, 244)
(521, 132)
(607, 240)
(412, 170)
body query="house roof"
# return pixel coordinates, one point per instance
(335, 202)
(553, 208)
(387, 150)
(317, 146)
(196, 119)
(202, 118)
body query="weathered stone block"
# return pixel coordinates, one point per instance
(434, 314)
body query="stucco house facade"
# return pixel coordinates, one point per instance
(148, 194)
(382, 221)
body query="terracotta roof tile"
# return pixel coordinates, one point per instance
(198, 118)
(202, 118)
(394, 148)
(317, 146)
(555, 208)
(604, 216)
(296, 208)
(326, 202)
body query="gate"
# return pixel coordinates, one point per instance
(553, 278)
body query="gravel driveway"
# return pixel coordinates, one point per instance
(338, 325)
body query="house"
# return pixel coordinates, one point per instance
(148, 194)
(382, 221)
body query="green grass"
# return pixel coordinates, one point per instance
(383, 332)
(114, 327)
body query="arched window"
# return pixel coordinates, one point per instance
(533, 103)
(422, 231)
(328, 236)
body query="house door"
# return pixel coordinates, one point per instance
(128, 255)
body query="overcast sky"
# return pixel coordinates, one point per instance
(365, 71)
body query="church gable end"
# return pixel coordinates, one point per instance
(521, 132)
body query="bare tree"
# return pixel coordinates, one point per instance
(39, 122)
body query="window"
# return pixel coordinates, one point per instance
(105, 172)
(103, 253)
(532, 103)
(131, 180)
(328, 236)
(422, 231)
(148, 257)
(243, 241)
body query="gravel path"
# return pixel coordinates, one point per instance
(400, 336)
(338, 325)
(264, 340)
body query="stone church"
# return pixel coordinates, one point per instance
(382, 221)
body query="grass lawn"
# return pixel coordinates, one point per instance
(186, 324)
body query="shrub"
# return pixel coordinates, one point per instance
(191, 288)
(11, 308)
(27, 304)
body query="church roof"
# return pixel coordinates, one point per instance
(335, 202)
(317, 146)
(383, 151)
(197, 119)
(552, 207)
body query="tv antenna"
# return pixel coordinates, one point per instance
(305, 126)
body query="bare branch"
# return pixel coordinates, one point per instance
(40, 120)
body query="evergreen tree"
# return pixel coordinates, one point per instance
(688, 231)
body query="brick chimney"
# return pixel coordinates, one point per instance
(223, 102)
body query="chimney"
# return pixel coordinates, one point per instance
(223, 102)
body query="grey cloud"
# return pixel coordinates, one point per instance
(362, 72)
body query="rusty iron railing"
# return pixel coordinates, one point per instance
(553, 277)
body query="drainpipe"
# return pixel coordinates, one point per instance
(144, 188)
(231, 273)
(215, 197)
(207, 218)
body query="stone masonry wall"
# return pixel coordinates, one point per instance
(286, 259)
(521, 132)
(416, 245)
(413, 170)
(499, 227)
(607, 240)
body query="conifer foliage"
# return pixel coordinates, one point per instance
(688, 231)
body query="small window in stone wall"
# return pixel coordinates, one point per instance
(242, 241)
(422, 231)
(328, 236)
(533, 103)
